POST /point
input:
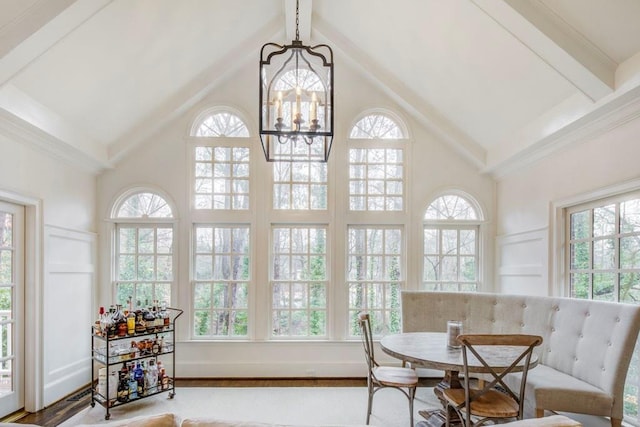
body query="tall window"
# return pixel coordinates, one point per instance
(451, 245)
(376, 170)
(221, 261)
(221, 280)
(299, 281)
(603, 263)
(375, 276)
(221, 168)
(143, 250)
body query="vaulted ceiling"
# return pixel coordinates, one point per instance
(504, 82)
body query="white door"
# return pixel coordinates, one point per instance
(11, 308)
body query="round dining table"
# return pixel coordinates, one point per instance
(430, 350)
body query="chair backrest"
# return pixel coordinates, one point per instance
(364, 322)
(517, 359)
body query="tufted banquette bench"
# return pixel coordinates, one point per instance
(586, 349)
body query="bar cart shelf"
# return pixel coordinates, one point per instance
(153, 347)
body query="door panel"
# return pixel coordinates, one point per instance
(11, 308)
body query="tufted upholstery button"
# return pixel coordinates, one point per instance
(618, 319)
(553, 329)
(493, 320)
(524, 305)
(588, 314)
(522, 325)
(581, 336)
(495, 302)
(603, 369)
(575, 358)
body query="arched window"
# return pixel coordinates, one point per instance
(221, 168)
(376, 169)
(220, 123)
(377, 126)
(451, 244)
(144, 249)
(144, 205)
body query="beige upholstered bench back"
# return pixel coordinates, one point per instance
(589, 340)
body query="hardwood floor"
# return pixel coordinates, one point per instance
(66, 408)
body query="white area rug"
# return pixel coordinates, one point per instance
(323, 406)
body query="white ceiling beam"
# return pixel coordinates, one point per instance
(560, 46)
(28, 22)
(40, 40)
(398, 91)
(305, 11)
(25, 119)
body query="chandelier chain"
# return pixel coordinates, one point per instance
(297, 19)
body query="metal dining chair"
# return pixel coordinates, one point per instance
(379, 377)
(493, 399)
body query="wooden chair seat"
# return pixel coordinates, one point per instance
(395, 377)
(475, 406)
(492, 404)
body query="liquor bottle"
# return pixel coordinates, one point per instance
(123, 384)
(131, 323)
(131, 319)
(141, 326)
(110, 324)
(138, 376)
(97, 328)
(150, 320)
(159, 319)
(152, 377)
(165, 315)
(120, 321)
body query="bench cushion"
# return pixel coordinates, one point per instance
(549, 388)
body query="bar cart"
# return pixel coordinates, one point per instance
(130, 359)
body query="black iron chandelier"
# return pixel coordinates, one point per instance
(296, 100)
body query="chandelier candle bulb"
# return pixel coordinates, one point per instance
(279, 106)
(454, 328)
(313, 114)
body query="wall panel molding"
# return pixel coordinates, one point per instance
(69, 287)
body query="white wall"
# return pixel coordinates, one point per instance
(162, 162)
(61, 266)
(525, 204)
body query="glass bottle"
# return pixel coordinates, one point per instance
(120, 321)
(141, 326)
(165, 315)
(110, 324)
(150, 321)
(138, 376)
(98, 326)
(152, 377)
(131, 323)
(123, 384)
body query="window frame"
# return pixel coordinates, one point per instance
(328, 283)
(250, 282)
(140, 222)
(398, 144)
(560, 226)
(457, 225)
